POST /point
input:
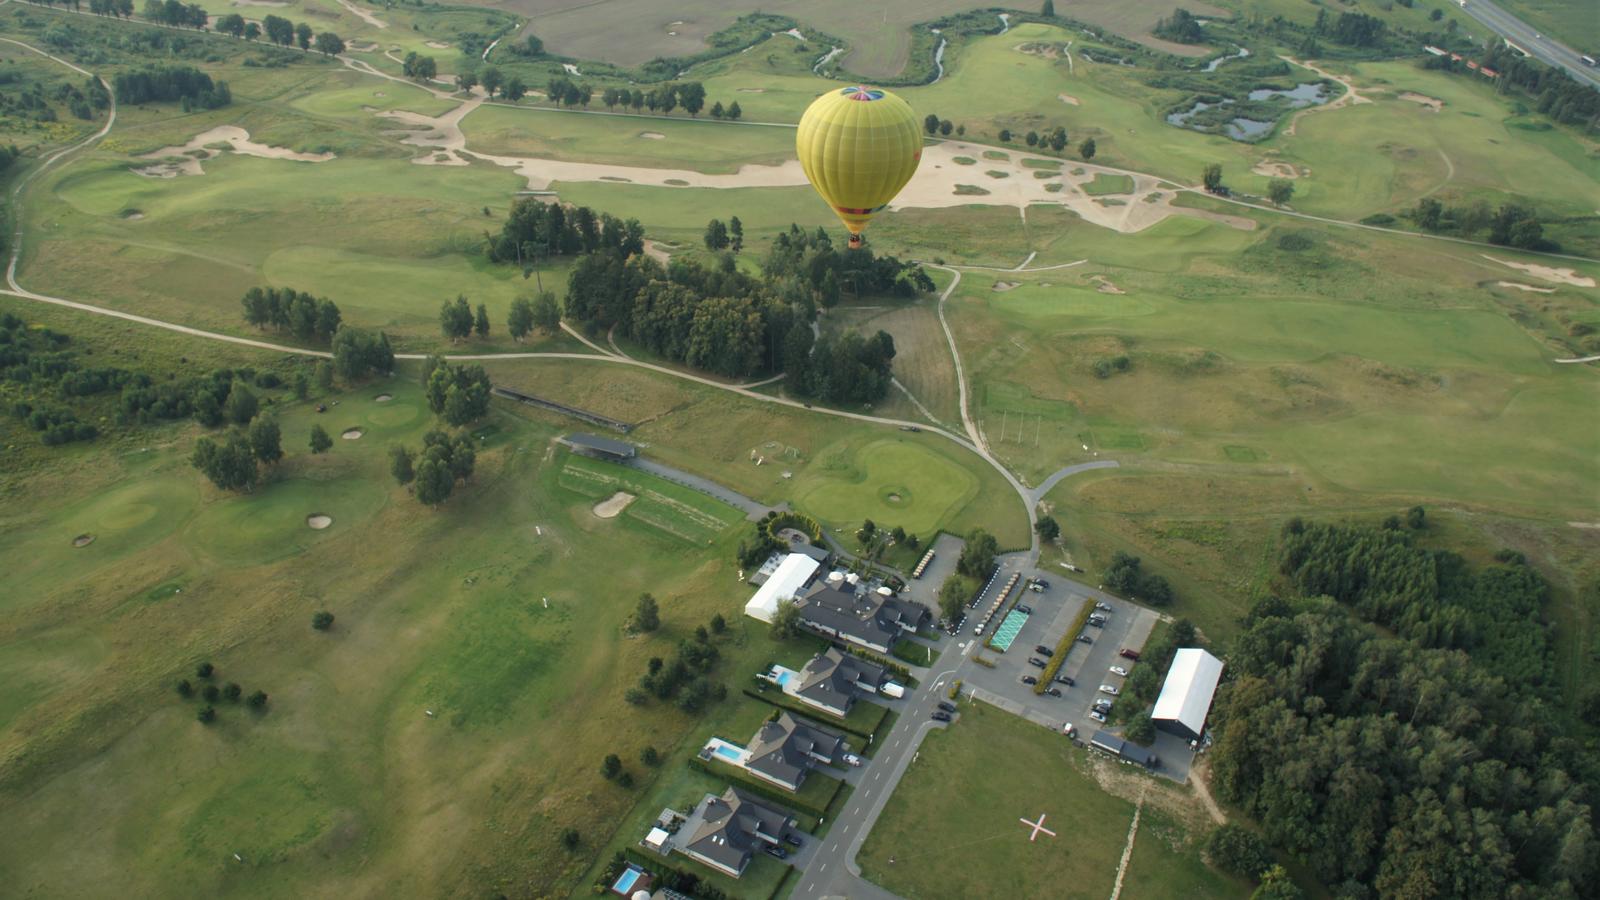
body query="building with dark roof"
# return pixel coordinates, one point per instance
(785, 749)
(600, 447)
(832, 680)
(724, 832)
(1124, 750)
(843, 611)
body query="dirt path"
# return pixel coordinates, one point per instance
(1127, 849)
(363, 15)
(1350, 97)
(1198, 776)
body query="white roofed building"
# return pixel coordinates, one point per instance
(788, 581)
(1186, 696)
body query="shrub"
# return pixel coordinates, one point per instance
(322, 621)
(1238, 851)
(204, 670)
(206, 715)
(211, 693)
(185, 689)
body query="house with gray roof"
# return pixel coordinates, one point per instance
(845, 611)
(725, 832)
(785, 749)
(832, 680)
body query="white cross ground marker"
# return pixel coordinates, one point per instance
(547, 603)
(1037, 827)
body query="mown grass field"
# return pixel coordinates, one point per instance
(935, 840)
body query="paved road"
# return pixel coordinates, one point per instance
(1037, 494)
(1542, 46)
(753, 510)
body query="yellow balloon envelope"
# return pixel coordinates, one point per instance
(859, 146)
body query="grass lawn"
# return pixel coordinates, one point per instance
(1109, 184)
(661, 504)
(933, 841)
(891, 481)
(701, 144)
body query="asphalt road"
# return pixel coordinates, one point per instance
(1541, 46)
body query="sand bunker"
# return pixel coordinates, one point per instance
(83, 540)
(318, 521)
(383, 398)
(260, 3)
(1433, 103)
(1525, 287)
(652, 135)
(353, 434)
(1547, 273)
(571, 69)
(133, 215)
(437, 45)
(1003, 286)
(1104, 285)
(361, 47)
(752, 90)
(613, 506)
(185, 159)
(1067, 99)
(1275, 169)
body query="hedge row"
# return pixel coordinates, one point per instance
(1064, 646)
(799, 709)
(777, 521)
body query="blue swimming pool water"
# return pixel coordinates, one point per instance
(783, 679)
(731, 754)
(626, 880)
(1007, 632)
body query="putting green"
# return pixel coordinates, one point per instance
(271, 523)
(890, 481)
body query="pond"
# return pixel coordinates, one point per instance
(1312, 94)
(1255, 116)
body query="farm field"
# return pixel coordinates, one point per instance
(931, 841)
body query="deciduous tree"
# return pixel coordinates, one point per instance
(320, 442)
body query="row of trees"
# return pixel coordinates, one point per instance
(285, 309)
(494, 83)
(535, 230)
(121, 9)
(725, 236)
(172, 12)
(233, 464)
(1512, 224)
(157, 84)
(419, 67)
(527, 313)
(932, 124)
(1125, 577)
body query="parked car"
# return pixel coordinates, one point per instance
(1097, 715)
(1097, 623)
(1054, 692)
(1065, 680)
(1026, 679)
(1085, 638)
(775, 850)
(1129, 654)
(1102, 605)
(1036, 662)
(1096, 617)
(1108, 689)
(1025, 609)
(792, 840)
(1041, 582)
(1067, 729)
(941, 717)
(947, 706)
(1042, 650)
(1104, 707)
(1118, 670)
(1103, 702)
(850, 759)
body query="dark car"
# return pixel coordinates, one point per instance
(792, 840)
(1025, 609)
(947, 707)
(1125, 653)
(941, 717)
(1042, 650)
(1085, 638)
(1096, 623)
(1054, 692)
(1065, 680)
(1026, 679)
(1041, 582)
(1036, 662)
(779, 852)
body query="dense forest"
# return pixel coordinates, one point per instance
(168, 83)
(1390, 728)
(716, 317)
(1554, 92)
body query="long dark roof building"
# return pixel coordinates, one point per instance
(838, 609)
(728, 830)
(602, 447)
(832, 679)
(785, 750)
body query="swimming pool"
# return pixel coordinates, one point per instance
(729, 752)
(1007, 632)
(783, 679)
(626, 881)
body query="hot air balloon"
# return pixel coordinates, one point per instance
(859, 146)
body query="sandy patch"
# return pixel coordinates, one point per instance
(794, 33)
(318, 521)
(1546, 273)
(752, 90)
(1067, 99)
(361, 47)
(1104, 285)
(83, 540)
(437, 45)
(353, 434)
(383, 398)
(612, 506)
(363, 15)
(1433, 103)
(133, 215)
(1275, 169)
(571, 69)
(1525, 287)
(260, 3)
(657, 252)
(652, 135)
(1003, 286)
(1350, 97)
(186, 158)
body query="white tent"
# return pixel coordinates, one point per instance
(1186, 697)
(792, 575)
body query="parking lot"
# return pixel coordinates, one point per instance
(1088, 665)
